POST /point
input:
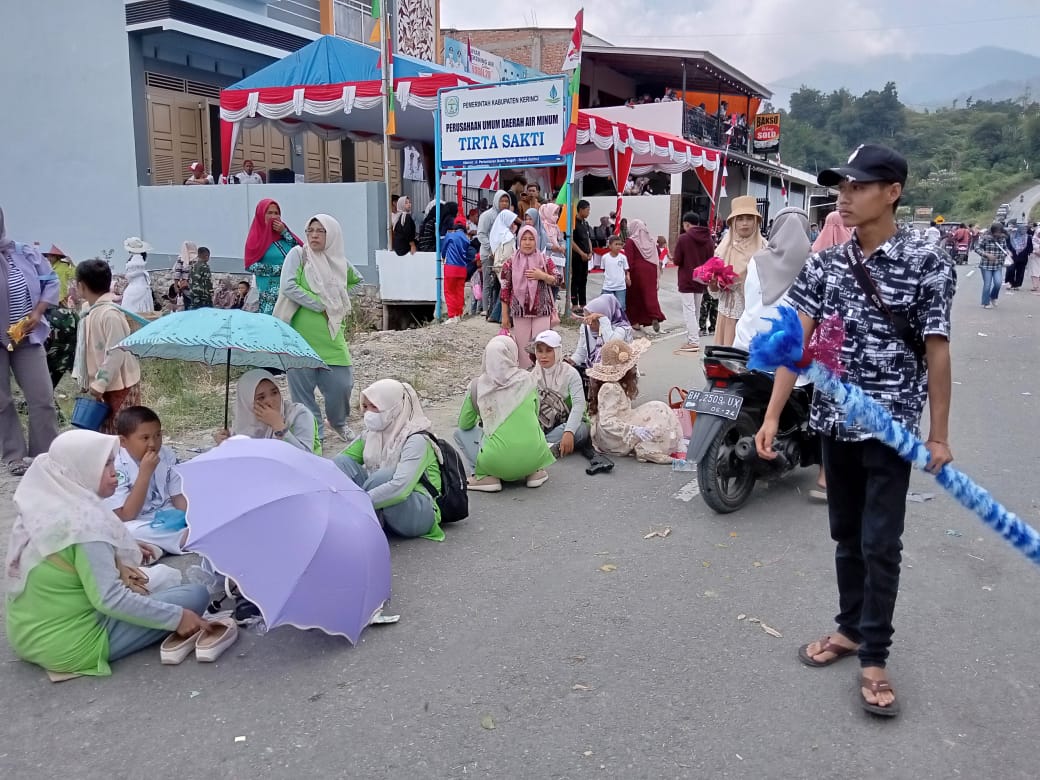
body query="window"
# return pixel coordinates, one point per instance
(352, 19)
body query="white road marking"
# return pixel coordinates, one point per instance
(689, 491)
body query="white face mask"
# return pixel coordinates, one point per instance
(376, 421)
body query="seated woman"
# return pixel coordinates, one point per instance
(71, 565)
(262, 413)
(650, 431)
(561, 403)
(604, 320)
(395, 461)
(499, 432)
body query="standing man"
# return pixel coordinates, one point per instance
(894, 293)
(247, 176)
(581, 252)
(693, 249)
(534, 190)
(932, 235)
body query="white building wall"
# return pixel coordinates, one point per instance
(218, 217)
(67, 139)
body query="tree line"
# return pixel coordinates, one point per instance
(963, 159)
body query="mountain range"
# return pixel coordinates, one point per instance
(933, 80)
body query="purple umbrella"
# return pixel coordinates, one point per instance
(299, 537)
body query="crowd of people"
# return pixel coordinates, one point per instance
(116, 500)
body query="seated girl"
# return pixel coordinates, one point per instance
(499, 432)
(604, 320)
(561, 403)
(650, 431)
(395, 461)
(71, 565)
(261, 412)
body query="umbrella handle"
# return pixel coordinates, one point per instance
(227, 390)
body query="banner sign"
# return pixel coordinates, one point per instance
(503, 125)
(490, 67)
(767, 134)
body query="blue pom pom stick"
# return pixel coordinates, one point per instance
(775, 347)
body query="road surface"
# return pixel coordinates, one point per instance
(522, 654)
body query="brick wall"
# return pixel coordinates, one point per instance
(522, 45)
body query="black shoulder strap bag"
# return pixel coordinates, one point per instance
(901, 324)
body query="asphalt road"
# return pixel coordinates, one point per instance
(519, 656)
(1021, 209)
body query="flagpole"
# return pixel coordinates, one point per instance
(383, 25)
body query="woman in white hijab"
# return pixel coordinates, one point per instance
(396, 460)
(76, 597)
(261, 412)
(770, 274)
(314, 298)
(137, 297)
(561, 402)
(498, 431)
(772, 271)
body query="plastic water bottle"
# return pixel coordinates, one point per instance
(681, 464)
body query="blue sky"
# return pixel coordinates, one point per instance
(772, 39)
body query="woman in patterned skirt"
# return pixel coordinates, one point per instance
(267, 244)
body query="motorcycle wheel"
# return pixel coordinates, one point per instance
(725, 480)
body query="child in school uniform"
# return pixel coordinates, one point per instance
(149, 493)
(616, 275)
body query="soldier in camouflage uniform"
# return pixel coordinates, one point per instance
(61, 343)
(201, 281)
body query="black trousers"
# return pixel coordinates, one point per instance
(579, 280)
(866, 498)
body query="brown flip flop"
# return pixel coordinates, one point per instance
(875, 687)
(827, 647)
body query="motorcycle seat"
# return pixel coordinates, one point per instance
(726, 353)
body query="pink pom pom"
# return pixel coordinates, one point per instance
(825, 344)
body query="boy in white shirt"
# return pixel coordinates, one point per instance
(616, 276)
(148, 482)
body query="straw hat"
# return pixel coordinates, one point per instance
(136, 246)
(617, 358)
(743, 205)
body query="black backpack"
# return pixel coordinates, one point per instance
(453, 498)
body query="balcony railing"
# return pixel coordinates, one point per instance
(701, 127)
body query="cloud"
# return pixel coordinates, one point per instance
(765, 39)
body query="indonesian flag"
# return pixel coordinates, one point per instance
(722, 188)
(783, 191)
(572, 59)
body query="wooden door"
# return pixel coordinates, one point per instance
(368, 165)
(178, 134)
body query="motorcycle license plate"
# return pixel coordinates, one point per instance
(718, 404)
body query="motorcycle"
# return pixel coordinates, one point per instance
(730, 410)
(960, 255)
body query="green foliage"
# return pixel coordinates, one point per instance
(964, 161)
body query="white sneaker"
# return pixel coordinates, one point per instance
(453, 320)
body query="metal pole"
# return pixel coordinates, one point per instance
(388, 88)
(437, 207)
(568, 237)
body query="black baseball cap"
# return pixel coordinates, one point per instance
(870, 162)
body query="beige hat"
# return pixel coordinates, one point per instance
(136, 246)
(617, 358)
(744, 204)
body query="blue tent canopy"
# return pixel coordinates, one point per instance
(333, 60)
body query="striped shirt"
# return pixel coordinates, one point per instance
(19, 299)
(915, 279)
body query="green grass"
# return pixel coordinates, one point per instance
(186, 396)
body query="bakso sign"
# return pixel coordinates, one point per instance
(503, 125)
(767, 134)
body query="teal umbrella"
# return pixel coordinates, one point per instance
(229, 336)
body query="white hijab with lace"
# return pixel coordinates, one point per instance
(58, 506)
(326, 272)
